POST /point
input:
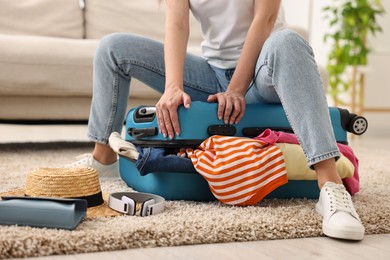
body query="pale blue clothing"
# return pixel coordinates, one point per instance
(285, 73)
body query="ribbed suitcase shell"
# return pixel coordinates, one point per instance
(197, 124)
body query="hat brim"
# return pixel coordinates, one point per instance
(102, 210)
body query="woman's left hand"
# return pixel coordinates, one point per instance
(231, 106)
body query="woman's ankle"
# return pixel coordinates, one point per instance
(327, 172)
(104, 154)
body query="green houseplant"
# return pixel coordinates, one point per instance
(350, 22)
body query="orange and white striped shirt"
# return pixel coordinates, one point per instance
(239, 170)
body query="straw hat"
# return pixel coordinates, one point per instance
(80, 183)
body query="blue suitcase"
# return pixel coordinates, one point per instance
(200, 122)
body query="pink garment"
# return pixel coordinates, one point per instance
(351, 184)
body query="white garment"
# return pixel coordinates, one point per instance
(225, 24)
(121, 147)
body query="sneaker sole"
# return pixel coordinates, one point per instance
(343, 234)
(337, 233)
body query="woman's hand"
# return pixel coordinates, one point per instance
(166, 108)
(231, 106)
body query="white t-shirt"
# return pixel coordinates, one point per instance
(225, 24)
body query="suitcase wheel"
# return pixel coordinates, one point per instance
(358, 125)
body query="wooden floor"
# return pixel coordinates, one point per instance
(376, 247)
(372, 247)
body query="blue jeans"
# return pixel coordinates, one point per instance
(285, 73)
(153, 159)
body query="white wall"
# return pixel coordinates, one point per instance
(309, 15)
(297, 12)
(377, 93)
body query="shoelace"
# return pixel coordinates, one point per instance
(339, 200)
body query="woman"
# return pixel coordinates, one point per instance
(248, 57)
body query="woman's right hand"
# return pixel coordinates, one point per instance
(166, 110)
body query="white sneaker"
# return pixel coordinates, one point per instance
(340, 219)
(110, 171)
(123, 148)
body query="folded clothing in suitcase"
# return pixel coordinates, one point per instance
(199, 123)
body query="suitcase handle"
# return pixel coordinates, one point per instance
(144, 114)
(227, 130)
(138, 133)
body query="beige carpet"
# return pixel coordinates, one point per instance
(182, 223)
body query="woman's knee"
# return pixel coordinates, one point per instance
(107, 46)
(116, 45)
(285, 41)
(125, 46)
